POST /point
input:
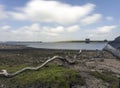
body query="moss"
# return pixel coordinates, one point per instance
(107, 77)
(12, 68)
(50, 76)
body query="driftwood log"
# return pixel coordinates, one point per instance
(6, 74)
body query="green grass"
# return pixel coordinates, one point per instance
(12, 68)
(50, 76)
(107, 77)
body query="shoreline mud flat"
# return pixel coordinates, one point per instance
(98, 69)
(10, 46)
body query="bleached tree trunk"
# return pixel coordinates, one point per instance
(6, 74)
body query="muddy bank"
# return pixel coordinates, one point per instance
(36, 56)
(9, 46)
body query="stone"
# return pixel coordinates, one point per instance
(90, 64)
(114, 47)
(98, 59)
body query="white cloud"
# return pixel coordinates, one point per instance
(58, 29)
(109, 18)
(73, 28)
(106, 29)
(102, 30)
(30, 30)
(50, 34)
(34, 27)
(18, 16)
(101, 33)
(52, 11)
(3, 13)
(5, 27)
(55, 13)
(36, 31)
(5, 33)
(53, 31)
(91, 19)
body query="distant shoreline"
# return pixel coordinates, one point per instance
(79, 41)
(66, 41)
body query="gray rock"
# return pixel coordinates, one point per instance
(90, 64)
(97, 59)
(95, 83)
(114, 47)
(115, 43)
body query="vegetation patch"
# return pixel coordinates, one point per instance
(107, 77)
(51, 76)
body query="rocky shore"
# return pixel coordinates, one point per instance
(114, 47)
(87, 69)
(8, 46)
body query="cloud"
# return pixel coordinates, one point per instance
(36, 31)
(3, 13)
(109, 18)
(5, 27)
(30, 30)
(58, 29)
(73, 28)
(5, 33)
(34, 27)
(103, 32)
(18, 16)
(91, 19)
(103, 29)
(52, 11)
(53, 31)
(24, 33)
(106, 29)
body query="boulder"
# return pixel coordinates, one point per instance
(115, 43)
(114, 47)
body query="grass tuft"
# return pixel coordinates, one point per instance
(50, 76)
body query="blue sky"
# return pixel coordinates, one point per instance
(59, 20)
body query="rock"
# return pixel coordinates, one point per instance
(115, 43)
(78, 86)
(114, 47)
(95, 83)
(90, 64)
(97, 59)
(1, 86)
(71, 60)
(58, 62)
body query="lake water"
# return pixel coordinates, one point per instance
(73, 46)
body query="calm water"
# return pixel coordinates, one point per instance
(73, 46)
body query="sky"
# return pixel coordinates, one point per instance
(59, 20)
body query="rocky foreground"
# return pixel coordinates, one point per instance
(86, 69)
